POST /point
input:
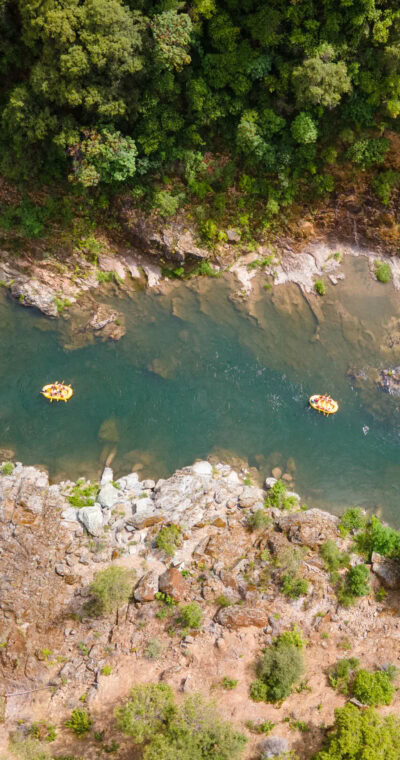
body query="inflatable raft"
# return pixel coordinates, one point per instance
(57, 392)
(324, 404)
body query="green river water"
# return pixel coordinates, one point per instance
(199, 373)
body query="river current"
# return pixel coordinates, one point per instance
(201, 373)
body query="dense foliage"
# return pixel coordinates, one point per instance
(192, 731)
(108, 91)
(281, 665)
(362, 735)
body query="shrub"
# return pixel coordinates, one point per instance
(111, 588)
(191, 731)
(333, 558)
(342, 673)
(319, 287)
(28, 749)
(223, 601)
(352, 520)
(168, 539)
(83, 493)
(380, 538)
(383, 271)
(355, 584)
(384, 183)
(361, 734)
(7, 468)
(281, 665)
(153, 649)
(166, 203)
(258, 520)
(368, 151)
(80, 722)
(190, 615)
(374, 688)
(106, 670)
(229, 683)
(293, 587)
(277, 497)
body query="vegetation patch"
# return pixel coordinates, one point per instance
(278, 497)
(169, 539)
(279, 668)
(191, 731)
(111, 588)
(83, 493)
(361, 734)
(80, 722)
(383, 271)
(7, 468)
(370, 688)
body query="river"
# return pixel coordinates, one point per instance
(199, 372)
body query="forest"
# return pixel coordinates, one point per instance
(105, 93)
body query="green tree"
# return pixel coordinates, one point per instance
(172, 32)
(103, 157)
(362, 735)
(321, 81)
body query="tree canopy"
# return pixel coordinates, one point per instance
(107, 91)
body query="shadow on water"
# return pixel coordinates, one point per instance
(198, 372)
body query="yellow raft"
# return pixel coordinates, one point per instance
(57, 391)
(324, 404)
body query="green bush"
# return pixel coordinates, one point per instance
(355, 584)
(319, 287)
(362, 735)
(281, 665)
(223, 601)
(342, 673)
(169, 539)
(352, 520)
(192, 731)
(111, 588)
(190, 615)
(294, 587)
(380, 538)
(83, 493)
(258, 520)
(374, 688)
(7, 468)
(277, 497)
(383, 271)
(384, 183)
(333, 558)
(80, 722)
(167, 204)
(229, 683)
(153, 649)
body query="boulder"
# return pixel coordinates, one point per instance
(243, 617)
(202, 468)
(249, 496)
(108, 496)
(270, 482)
(92, 519)
(31, 292)
(311, 528)
(106, 477)
(70, 514)
(273, 746)
(388, 570)
(175, 240)
(145, 514)
(147, 587)
(172, 583)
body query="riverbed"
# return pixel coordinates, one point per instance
(201, 372)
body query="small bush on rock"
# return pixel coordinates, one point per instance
(355, 584)
(258, 520)
(190, 615)
(342, 673)
(7, 468)
(352, 520)
(380, 538)
(153, 649)
(111, 588)
(333, 558)
(281, 665)
(169, 539)
(278, 497)
(294, 587)
(319, 287)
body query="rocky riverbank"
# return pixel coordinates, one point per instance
(54, 655)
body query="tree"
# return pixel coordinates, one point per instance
(103, 157)
(321, 81)
(362, 735)
(111, 588)
(171, 33)
(303, 129)
(281, 665)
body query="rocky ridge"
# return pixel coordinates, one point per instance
(51, 651)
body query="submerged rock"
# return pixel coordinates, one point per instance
(389, 381)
